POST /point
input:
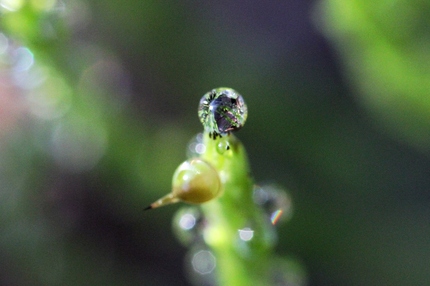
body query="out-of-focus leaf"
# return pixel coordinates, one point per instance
(386, 50)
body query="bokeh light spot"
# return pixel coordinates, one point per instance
(78, 144)
(24, 59)
(43, 5)
(204, 262)
(52, 99)
(196, 146)
(187, 221)
(4, 43)
(11, 5)
(275, 201)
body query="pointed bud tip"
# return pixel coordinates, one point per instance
(148, 208)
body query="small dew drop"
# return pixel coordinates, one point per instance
(246, 234)
(257, 236)
(223, 146)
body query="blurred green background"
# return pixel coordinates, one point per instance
(98, 101)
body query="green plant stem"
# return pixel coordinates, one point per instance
(238, 262)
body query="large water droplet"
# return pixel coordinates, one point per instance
(221, 111)
(275, 201)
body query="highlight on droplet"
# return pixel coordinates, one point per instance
(246, 234)
(276, 215)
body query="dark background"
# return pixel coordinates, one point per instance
(357, 173)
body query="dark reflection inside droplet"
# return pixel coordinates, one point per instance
(222, 111)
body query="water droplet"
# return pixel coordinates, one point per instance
(221, 111)
(196, 147)
(188, 224)
(246, 234)
(223, 146)
(255, 237)
(275, 201)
